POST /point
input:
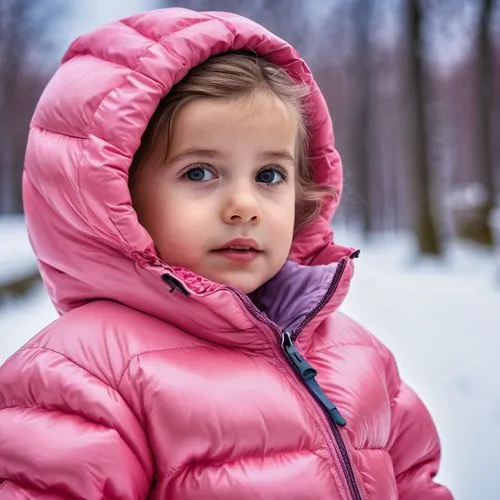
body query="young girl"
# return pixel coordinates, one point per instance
(180, 179)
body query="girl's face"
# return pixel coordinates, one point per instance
(223, 203)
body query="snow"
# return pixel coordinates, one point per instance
(16, 256)
(439, 319)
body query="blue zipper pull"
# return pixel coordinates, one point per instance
(305, 370)
(307, 374)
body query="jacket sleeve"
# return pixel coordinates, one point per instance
(67, 433)
(414, 443)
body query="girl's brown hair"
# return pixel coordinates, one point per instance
(236, 74)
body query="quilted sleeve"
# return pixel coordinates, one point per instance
(65, 433)
(414, 443)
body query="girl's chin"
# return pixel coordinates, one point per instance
(245, 285)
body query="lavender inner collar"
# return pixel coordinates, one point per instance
(295, 290)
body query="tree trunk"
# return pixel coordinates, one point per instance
(485, 106)
(362, 169)
(24, 25)
(425, 226)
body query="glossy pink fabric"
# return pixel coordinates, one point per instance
(136, 392)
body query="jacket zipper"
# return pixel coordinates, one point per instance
(307, 373)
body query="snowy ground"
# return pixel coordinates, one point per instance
(16, 257)
(440, 320)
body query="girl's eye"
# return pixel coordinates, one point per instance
(271, 176)
(199, 174)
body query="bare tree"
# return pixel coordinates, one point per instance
(24, 27)
(334, 62)
(10, 74)
(485, 109)
(426, 231)
(363, 168)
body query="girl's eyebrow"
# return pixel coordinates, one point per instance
(208, 153)
(281, 154)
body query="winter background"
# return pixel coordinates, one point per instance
(439, 313)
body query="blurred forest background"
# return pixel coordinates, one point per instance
(413, 88)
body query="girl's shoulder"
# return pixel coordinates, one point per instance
(102, 337)
(340, 332)
(342, 329)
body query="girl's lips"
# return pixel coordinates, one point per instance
(241, 243)
(241, 256)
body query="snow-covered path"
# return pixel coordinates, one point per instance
(441, 322)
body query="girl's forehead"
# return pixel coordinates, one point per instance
(263, 120)
(257, 106)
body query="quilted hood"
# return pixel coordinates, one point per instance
(86, 129)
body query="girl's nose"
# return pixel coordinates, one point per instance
(241, 207)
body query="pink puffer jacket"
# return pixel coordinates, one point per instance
(156, 383)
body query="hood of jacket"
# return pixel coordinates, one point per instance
(84, 133)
